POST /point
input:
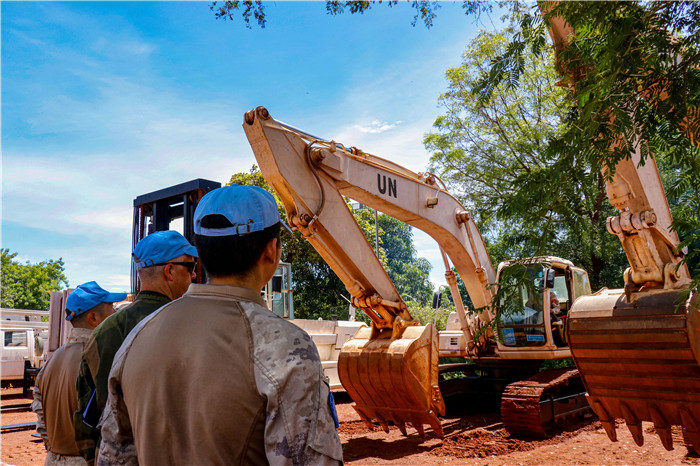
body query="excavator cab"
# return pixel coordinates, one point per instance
(535, 310)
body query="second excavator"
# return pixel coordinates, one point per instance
(391, 369)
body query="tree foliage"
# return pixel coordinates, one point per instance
(631, 68)
(318, 292)
(255, 9)
(29, 286)
(493, 156)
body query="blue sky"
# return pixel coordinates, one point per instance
(102, 102)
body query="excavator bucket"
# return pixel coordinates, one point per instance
(639, 360)
(394, 379)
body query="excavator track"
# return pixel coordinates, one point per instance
(532, 407)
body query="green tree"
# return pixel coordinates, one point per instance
(29, 286)
(493, 156)
(398, 255)
(631, 68)
(318, 292)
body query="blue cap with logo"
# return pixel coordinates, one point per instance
(87, 296)
(160, 247)
(248, 208)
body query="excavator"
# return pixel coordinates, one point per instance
(390, 369)
(637, 349)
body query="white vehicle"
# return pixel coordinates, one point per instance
(23, 337)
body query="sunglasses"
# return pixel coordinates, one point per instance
(190, 265)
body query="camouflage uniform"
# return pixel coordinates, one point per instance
(97, 361)
(216, 378)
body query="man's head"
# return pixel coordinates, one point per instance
(166, 263)
(554, 302)
(237, 232)
(88, 305)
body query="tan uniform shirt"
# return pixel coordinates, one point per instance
(55, 396)
(216, 378)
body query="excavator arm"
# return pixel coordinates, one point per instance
(390, 369)
(644, 223)
(638, 349)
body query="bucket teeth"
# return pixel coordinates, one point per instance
(662, 428)
(366, 419)
(419, 427)
(605, 419)
(691, 432)
(438, 431)
(385, 426)
(636, 431)
(633, 424)
(402, 427)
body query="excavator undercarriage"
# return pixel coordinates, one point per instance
(535, 406)
(532, 403)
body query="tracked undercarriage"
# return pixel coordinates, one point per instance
(535, 406)
(531, 405)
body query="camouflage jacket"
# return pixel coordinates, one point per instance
(97, 361)
(216, 378)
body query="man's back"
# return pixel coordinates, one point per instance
(56, 386)
(251, 389)
(96, 363)
(109, 336)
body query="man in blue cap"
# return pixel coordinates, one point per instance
(166, 264)
(55, 397)
(267, 402)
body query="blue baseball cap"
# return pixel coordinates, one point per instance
(87, 296)
(248, 208)
(160, 247)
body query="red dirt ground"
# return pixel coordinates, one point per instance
(470, 439)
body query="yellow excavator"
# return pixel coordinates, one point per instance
(638, 348)
(390, 369)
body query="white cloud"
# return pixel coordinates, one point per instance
(403, 145)
(377, 127)
(28, 38)
(111, 218)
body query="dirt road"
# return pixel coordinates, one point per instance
(470, 439)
